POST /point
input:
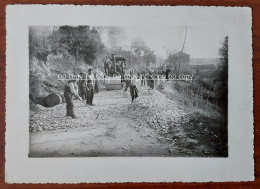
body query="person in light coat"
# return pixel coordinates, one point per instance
(69, 92)
(90, 87)
(133, 88)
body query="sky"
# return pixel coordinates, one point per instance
(164, 27)
(201, 41)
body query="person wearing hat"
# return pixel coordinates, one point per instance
(69, 92)
(90, 87)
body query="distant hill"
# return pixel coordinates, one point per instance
(203, 61)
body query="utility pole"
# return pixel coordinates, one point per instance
(182, 51)
(184, 40)
(131, 57)
(165, 64)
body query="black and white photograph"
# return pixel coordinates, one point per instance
(117, 91)
(103, 94)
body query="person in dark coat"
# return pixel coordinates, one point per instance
(83, 87)
(150, 81)
(69, 91)
(96, 84)
(142, 79)
(168, 71)
(123, 67)
(133, 89)
(90, 87)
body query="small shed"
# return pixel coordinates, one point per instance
(179, 62)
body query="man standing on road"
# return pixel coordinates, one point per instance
(90, 87)
(69, 92)
(168, 71)
(127, 79)
(150, 81)
(142, 78)
(82, 86)
(133, 88)
(96, 84)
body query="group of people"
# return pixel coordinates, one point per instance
(83, 88)
(151, 79)
(147, 79)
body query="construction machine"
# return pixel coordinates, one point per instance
(115, 78)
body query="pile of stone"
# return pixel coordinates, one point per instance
(35, 108)
(155, 110)
(55, 118)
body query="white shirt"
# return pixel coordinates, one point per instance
(72, 88)
(92, 79)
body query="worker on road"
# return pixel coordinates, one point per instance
(155, 79)
(133, 89)
(90, 87)
(150, 81)
(168, 72)
(142, 78)
(69, 92)
(96, 84)
(83, 87)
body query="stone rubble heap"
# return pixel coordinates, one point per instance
(152, 109)
(55, 118)
(155, 110)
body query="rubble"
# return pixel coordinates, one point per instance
(55, 118)
(35, 108)
(153, 109)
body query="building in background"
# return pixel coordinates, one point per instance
(179, 62)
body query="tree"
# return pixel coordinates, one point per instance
(39, 42)
(143, 56)
(223, 53)
(222, 73)
(80, 42)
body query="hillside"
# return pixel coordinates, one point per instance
(44, 76)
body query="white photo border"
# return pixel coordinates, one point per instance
(19, 168)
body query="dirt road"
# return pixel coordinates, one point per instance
(110, 135)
